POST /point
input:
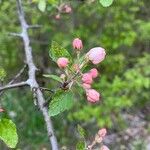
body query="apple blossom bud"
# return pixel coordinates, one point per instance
(96, 55)
(104, 147)
(102, 132)
(86, 86)
(94, 72)
(57, 16)
(1, 110)
(77, 44)
(87, 78)
(68, 9)
(62, 62)
(92, 95)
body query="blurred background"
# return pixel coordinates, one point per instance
(123, 29)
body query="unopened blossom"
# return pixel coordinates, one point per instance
(1, 110)
(86, 86)
(87, 78)
(77, 44)
(96, 55)
(92, 95)
(94, 72)
(102, 132)
(62, 62)
(104, 147)
(57, 16)
(68, 9)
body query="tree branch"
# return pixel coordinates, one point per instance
(32, 78)
(34, 26)
(18, 74)
(15, 34)
(13, 85)
(14, 79)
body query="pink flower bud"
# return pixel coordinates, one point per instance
(1, 110)
(96, 55)
(68, 9)
(102, 132)
(62, 62)
(87, 78)
(94, 72)
(57, 16)
(86, 86)
(92, 95)
(104, 147)
(77, 44)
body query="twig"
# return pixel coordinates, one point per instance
(18, 74)
(15, 34)
(34, 26)
(13, 85)
(32, 78)
(14, 79)
(46, 89)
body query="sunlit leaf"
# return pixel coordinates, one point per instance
(56, 51)
(2, 74)
(80, 145)
(106, 3)
(42, 5)
(8, 133)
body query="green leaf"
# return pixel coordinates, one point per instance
(54, 77)
(81, 131)
(2, 74)
(62, 100)
(8, 132)
(53, 2)
(42, 5)
(80, 145)
(106, 3)
(56, 51)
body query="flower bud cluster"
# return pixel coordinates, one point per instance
(95, 55)
(99, 137)
(63, 8)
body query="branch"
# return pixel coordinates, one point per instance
(34, 26)
(18, 74)
(13, 85)
(46, 89)
(14, 79)
(15, 34)
(32, 77)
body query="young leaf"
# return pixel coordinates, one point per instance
(8, 132)
(54, 77)
(56, 51)
(80, 145)
(2, 74)
(81, 131)
(42, 5)
(106, 3)
(62, 100)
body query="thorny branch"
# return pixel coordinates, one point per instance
(31, 81)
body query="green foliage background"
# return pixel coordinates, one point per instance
(123, 29)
